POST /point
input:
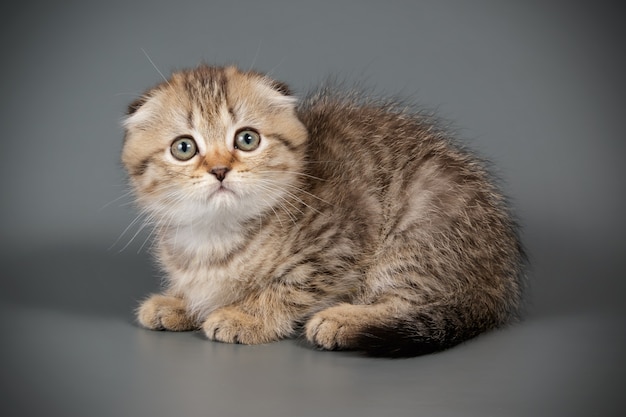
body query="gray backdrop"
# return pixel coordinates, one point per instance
(537, 87)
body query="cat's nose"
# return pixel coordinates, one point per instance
(219, 172)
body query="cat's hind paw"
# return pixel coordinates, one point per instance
(335, 327)
(161, 312)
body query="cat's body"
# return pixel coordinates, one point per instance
(351, 221)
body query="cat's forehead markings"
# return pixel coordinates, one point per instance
(194, 117)
(190, 121)
(193, 122)
(226, 115)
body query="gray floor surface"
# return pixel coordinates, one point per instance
(71, 348)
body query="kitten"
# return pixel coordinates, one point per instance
(342, 218)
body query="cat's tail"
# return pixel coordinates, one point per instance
(429, 329)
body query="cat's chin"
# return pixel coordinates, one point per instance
(222, 200)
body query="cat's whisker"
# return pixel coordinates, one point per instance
(146, 240)
(141, 228)
(280, 222)
(287, 193)
(296, 197)
(282, 197)
(299, 189)
(294, 173)
(280, 202)
(176, 233)
(149, 237)
(283, 205)
(128, 204)
(256, 55)
(271, 71)
(126, 94)
(155, 67)
(132, 223)
(309, 194)
(271, 206)
(164, 225)
(178, 173)
(324, 162)
(126, 194)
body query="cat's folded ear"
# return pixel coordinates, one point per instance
(135, 105)
(139, 111)
(282, 88)
(284, 98)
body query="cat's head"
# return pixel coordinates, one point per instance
(213, 142)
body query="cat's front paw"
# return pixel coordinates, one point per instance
(336, 327)
(232, 325)
(161, 312)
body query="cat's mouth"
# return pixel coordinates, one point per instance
(221, 190)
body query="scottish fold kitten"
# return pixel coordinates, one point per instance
(342, 218)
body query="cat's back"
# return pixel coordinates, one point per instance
(397, 171)
(385, 145)
(353, 126)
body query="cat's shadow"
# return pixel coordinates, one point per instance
(77, 278)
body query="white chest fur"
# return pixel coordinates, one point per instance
(204, 267)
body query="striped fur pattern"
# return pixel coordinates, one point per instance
(352, 221)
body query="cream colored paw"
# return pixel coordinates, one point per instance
(231, 325)
(336, 327)
(161, 312)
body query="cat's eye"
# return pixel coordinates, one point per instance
(247, 140)
(184, 148)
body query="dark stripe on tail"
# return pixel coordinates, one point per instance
(420, 336)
